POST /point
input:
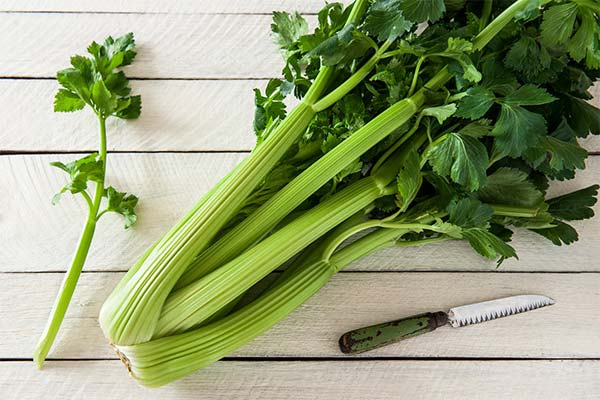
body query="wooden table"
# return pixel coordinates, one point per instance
(198, 61)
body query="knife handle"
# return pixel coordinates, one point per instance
(372, 337)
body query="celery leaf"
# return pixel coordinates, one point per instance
(386, 21)
(409, 179)
(575, 205)
(510, 186)
(476, 103)
(123, 204)
(462, 157)
(423, 10)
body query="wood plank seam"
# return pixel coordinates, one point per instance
(283, 360)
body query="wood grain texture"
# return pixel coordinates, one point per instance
(176, 116)
(164, 6)
(350, 380)
(169, 46)
(37, 236)
(350, 300)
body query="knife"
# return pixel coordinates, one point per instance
(372, 337)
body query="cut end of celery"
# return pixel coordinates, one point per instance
(38, 359)
(123, 358)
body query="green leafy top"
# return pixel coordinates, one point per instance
(97, 82)
(484, 148)
(288, 28)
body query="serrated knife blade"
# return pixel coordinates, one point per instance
(371, 337)
(493, 309)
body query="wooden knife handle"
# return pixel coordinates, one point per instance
(372, 337)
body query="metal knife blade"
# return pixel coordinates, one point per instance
(488, 310)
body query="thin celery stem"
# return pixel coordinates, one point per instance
(334, 244)
(376, 240)
(512, 211)
(101, 214)
(415, 78)
(494, 27)
(352, 81)
(397, 145)
(485, 14)
(392, 231)
(423, 242)
(88, 200)
(72, 277)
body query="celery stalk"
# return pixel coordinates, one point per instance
(193, 304)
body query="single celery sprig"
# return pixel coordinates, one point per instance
(96, 82)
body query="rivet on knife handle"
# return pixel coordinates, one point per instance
(374, 336)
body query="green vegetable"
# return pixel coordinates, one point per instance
(98, 83)
(415, 134)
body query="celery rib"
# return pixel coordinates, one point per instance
(191, 305)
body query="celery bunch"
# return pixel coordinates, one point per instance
(418, 122)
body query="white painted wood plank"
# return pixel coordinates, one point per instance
(169, 46)
(176, 115)
(163, 6)
(373, 380)
(568, 329)
(37, 236)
